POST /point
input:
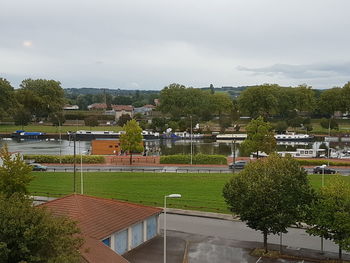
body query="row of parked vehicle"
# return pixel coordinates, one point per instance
(323, 169)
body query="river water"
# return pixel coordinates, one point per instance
(165, 147)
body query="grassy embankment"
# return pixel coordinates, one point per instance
(199, 191)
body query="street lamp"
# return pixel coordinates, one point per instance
(81, 172)
(191, 141)
(165, 197)
(323, 167)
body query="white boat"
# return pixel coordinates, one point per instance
(83, 134)
(238, 137)
(303, 153)
(293, 137)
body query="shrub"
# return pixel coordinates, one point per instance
(91, 121)
(64, 158)
(329, 123)
(196, 159)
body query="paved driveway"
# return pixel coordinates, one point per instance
(194, 248)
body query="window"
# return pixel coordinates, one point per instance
(107, 241)
(121, 242)
(137, 235)
(151, 227)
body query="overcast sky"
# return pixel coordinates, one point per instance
(139, 44)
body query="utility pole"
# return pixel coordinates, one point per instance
(191, 142)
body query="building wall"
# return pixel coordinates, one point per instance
(105, 147)
(135, 235)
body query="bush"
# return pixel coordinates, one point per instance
(196, 159)
(91, 121)
(329, 123)
(64, 158)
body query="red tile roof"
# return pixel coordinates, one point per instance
(99, 217)
(98, 106)
(123, 107)
(94, 250)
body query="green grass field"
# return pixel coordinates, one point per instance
(199, 191)
(54, 129)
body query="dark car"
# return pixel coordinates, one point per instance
(238, 165)
(38, 167)
(323, 169)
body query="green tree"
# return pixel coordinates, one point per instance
(7, 98)
(305, 98)
(41, 97)
(32, 234)
(21, 116)
(330, 212)
(329, 124)
(281, 126)
(91, 121)
(331, 100)
(14, 174)
(259, 100)
(57, 118)
(123, 119)
(131, 140)
(269, 195)
(260, 137)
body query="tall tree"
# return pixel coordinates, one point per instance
(40, 96)
(259, 100)
(7, 98)
(32, 234)
(14, 174)
(260, 137)
(269, 194)
(131, 140)
(331, 100)
(330, 213)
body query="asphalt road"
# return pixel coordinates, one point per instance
(295, 238)
(160, 169)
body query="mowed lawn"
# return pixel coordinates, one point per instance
(199, 191)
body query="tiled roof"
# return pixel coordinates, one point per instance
(94, 251)
(100, 217)
(123, 107)
(149, 106)
(98, 106)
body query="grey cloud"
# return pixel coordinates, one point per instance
(312, 71)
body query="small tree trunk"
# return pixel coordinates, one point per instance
(130, 158)
(340, 253)
(265, 241)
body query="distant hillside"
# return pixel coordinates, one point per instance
(115, 92)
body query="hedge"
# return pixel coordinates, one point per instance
(321, 162)
(64, 158)
(196, 159)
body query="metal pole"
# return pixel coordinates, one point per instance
(74, 166)
(60, 138)
(322, 186)
(164, 252)
(81, 173)
(191, 141)
(234, 154)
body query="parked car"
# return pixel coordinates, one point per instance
(38, 167)
(323, 169)
(238, 164)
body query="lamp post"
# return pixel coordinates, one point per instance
(165, 197)
(323, 167)
(191, 141)
(81, 172)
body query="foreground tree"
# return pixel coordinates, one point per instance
(131, 140)
(14, 174)
(330, 213)
(31, 234)
(260, 137)
(269, 194)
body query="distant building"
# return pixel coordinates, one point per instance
(97, 106)
(110, 227)
(145, 110)
(156, 102)
(123, 109)
(71, 107)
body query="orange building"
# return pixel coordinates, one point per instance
(105, 147)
